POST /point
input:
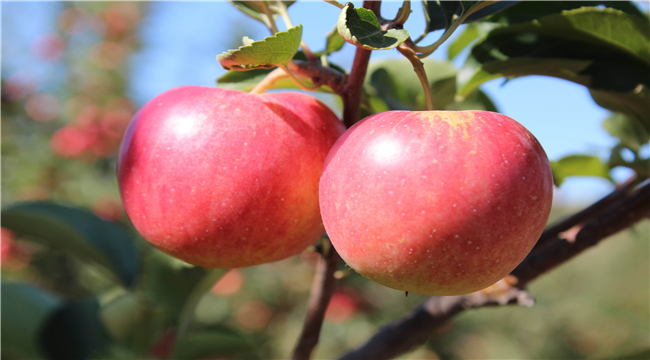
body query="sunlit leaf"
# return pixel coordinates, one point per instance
(334, 42)
(629, 131)
(255, 10)
(360, 27)
(524, 11)
(274, 50)
(604, 49)
(578, 165)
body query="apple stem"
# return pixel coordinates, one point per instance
(406, 49)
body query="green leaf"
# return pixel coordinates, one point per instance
(604, 49)
(567, 69)
(273, 51)
(632, 103)
(37, 324)
(477, 100)
(397, 85)
(122, 314)
(25, 310)
(78, 232)
(334, 42)
(171, 282)
(441, 14)
(246, 80)
(606, 28)
(640, 165)
(200, 289)
(211, 342)
(525, 11)
(578, 165)
(242, 80)
(631, 133)
(470, 34)
(360, 28)
(255, 10)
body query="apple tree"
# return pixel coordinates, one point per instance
(421, 186)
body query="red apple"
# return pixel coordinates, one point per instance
(435, 202)
(222, 178)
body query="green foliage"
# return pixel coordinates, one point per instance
(78, 231)
(389, 87)
(441, 14)
(629, 131)
(361, 28)
(213, 341)
(604, 49)
(524, 11)
(256, 11)
(273, 51)
(578, 165)
(334, 41)
(37, 324)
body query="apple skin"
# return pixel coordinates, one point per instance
(435, 202)
(225, 179)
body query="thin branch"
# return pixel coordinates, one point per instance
(318, 74)
(414, 329)
(574, 222)
(321, 293)
(349, 88)
(352, 98)
(620, 215)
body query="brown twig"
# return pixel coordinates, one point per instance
(575, 221)
(352, 98)
(349, 88)
(619, 216)
(322, 289)
(412, 330)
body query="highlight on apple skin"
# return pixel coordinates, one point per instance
(225, 179)
(436, 202)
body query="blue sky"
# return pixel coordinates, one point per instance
(181, 41)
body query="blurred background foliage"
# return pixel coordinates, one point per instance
(79, 282)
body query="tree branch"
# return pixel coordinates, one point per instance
(619, 216)
(575, 221)
(352, 98)
(349, 88)
(616, 212)
(321, 293)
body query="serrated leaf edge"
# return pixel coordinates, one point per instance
(224, 55)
